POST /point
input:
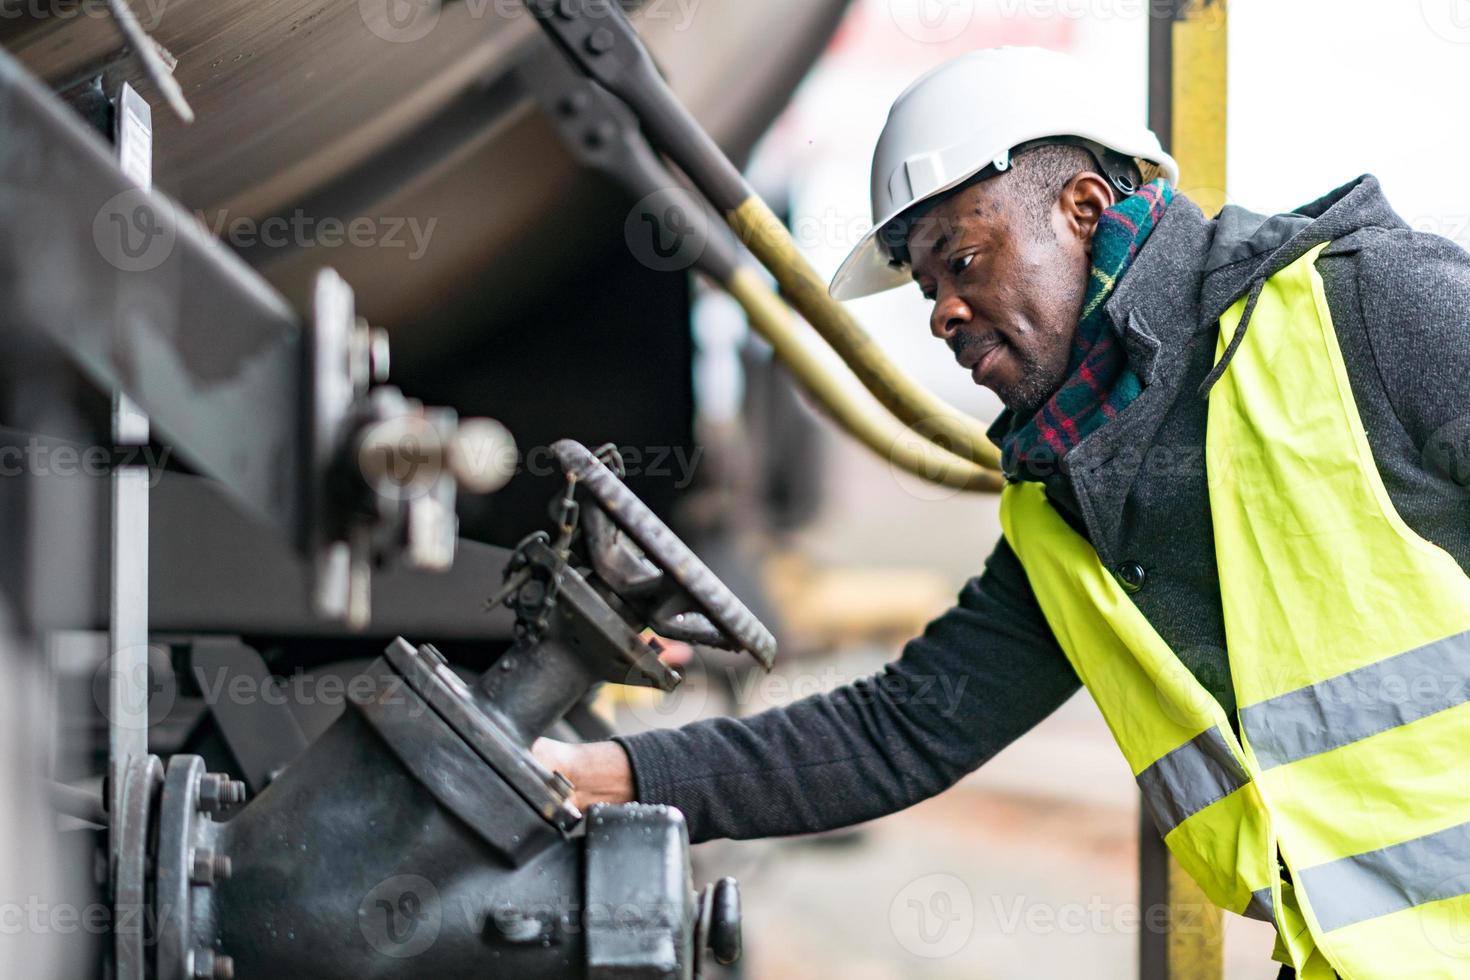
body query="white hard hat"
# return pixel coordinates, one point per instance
(969, 114)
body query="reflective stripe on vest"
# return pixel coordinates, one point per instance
(1349, 647)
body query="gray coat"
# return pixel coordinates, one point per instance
(989, 669)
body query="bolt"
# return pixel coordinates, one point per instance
(209, 867)
(601, 41)
(380, 357)
(573, 103)
(601, 135)
(209, 965)
(218, 792)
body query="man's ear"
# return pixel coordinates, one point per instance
(1082, 202)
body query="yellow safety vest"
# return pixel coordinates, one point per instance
(1349, 647)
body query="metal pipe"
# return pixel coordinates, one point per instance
(602, 133)
(84, 805)
(598, 37)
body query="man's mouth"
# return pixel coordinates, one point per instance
(980, 358)
(986, 363)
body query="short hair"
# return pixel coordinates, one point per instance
(1041, 172)
(1036, 176)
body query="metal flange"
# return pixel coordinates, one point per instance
(142, 779)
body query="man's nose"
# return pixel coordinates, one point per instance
(949, 315)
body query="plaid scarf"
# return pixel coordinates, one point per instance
(1099, 382)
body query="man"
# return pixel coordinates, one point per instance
(1233, 512)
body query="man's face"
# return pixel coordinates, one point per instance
(1007, 287)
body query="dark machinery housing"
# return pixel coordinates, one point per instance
(256, 504)
(418, 836)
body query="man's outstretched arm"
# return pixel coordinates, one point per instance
(981, 675)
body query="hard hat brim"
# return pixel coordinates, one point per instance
(868, 269)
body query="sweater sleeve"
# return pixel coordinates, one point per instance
(981, 675)
(1414, 289)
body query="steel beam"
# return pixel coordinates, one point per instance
(144, 301)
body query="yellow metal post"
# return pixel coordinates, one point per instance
(1197, 140)
(1182, 935)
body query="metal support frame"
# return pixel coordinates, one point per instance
(1188, 48)
(294, 420)
(128, 683)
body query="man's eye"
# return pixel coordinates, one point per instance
(960, 263)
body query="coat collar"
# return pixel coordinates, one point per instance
(1155, 311)
(1188, 273)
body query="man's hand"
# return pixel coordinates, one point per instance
(598, 771)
